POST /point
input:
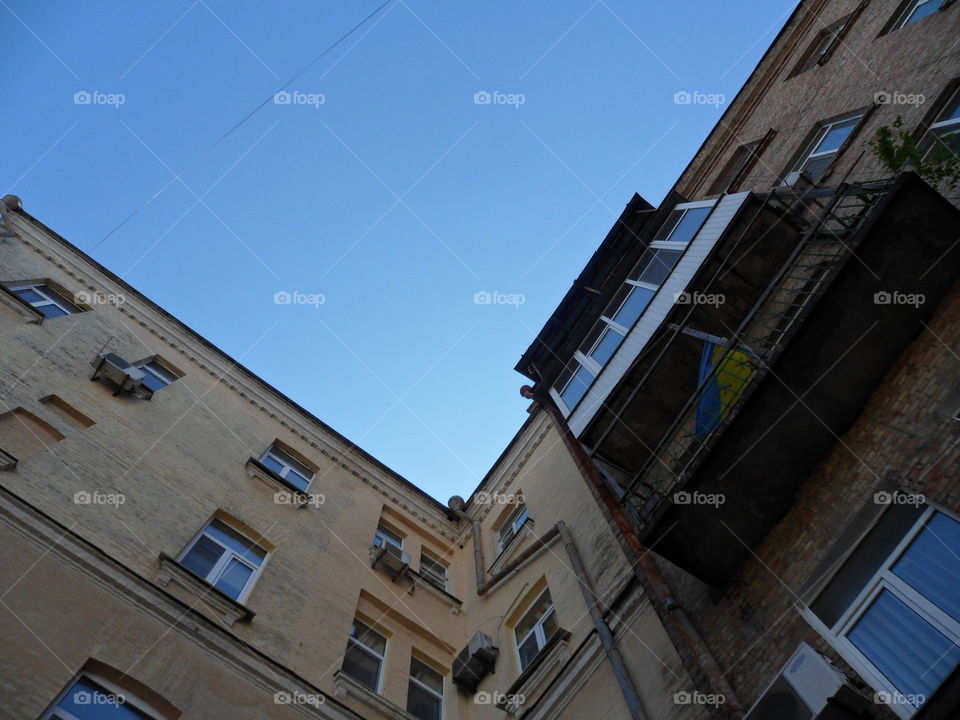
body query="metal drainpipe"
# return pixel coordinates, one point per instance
(456, 504)
(695, 643)
(619, 667)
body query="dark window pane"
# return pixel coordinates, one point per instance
(928, 7)
(607, 346)
(550, 625)
(203, 556)
(30, 296)
(152, 381)
(659, 265)
(427, 675)
(52, 311)
(579, 384)
(932, 563)
(664, 232)
(234, 578)
(689, 224)
(633, 307)
(835, 136)
(272, 464)
(815, 167)
(422, 704)
(236, 542)
(368, 636)
(528, 651)
(361, 666)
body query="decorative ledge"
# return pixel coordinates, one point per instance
(419, 582)
(345, 686)
(27, 311)
(536, 677)
(526, 530)
(7, 461)
(229, 609)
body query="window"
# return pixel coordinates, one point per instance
(225, 559)
(155, 375)
(508, 531)
(433, 571)
(424, 692)
(45, 299)
(944, 134)
(535, 628)
(917, 10)
(287, 467)
(822, 48)
(827, 141)
(391, 540)
(629, 302)
(893, 607)
(363, 660)
(90, 697)
(736, 168)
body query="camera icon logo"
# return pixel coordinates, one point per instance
(482, 97)
(82, 98)
(282, 98)
(282, 297)
(682, 98)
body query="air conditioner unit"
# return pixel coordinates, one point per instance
(123, 375)
(802, 689)
(474, 662)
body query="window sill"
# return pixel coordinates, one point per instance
(525, 530)
(7, 461)
(27, 311)
(438, 592)
(538, 675)
(231, 611)
(257, 469)
(345, 686)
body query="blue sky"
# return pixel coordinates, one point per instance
(383, 186)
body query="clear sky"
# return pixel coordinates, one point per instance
(386, 187)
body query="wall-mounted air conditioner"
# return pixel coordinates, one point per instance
(474, 662)
(801, 691)
(122, 375)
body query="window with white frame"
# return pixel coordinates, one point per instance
(535, 629)
(390, 539)
(826, 143)
(892, 610)
(511, 526)
(424, 691)
(363, 660)
(944, 134)
(92, 697)
(433, 571)
(45, 299)
(155, 375)
(287, 467)
(630, 301)
(224, 558)
(917, 10)
(822, 47)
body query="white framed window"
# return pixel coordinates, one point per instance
(628, 304)
(363, 660)
(944, 134)
(155, 375)
(892, 610)
(91, 696)
(45, 299)
(424, 691)
(511, 526)
(535, 629)
(224, 558)
(287, 467)
(433, 571)
(824, 147)
(388, 538)
(917, 10)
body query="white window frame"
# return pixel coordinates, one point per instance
(55, 713)
(366, 648)
(229, 554)
(940, 129)
(286, 460)
(51, 297)
(536, 629)
(161, 372)
(823, 129)
(884, 579)
(585, 359)
(425, 687)
(430, 575)
(517, 518)
(911, 10)
(385, 536)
